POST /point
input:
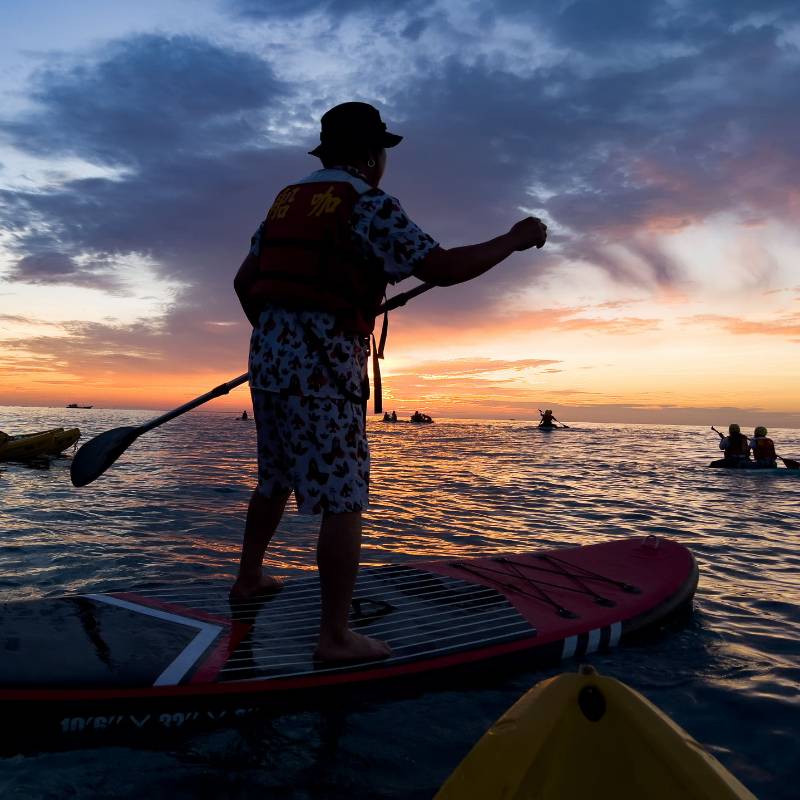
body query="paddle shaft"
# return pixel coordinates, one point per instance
(402, 298)
(392, 303)
(100, 452)
(218, 391)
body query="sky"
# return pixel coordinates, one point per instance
(141, 144)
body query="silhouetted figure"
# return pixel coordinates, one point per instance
(736, 447)
(763, 448)
(311, 286)
(548, 420)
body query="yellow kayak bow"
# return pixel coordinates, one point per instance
(587, 736)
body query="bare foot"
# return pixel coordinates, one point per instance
(244, 589)
(351, 646)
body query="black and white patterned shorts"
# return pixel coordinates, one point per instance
(314, 446)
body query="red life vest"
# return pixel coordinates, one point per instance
(764, 449)
(308, 260)
(738, 445)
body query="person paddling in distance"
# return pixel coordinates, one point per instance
(311, 285)
(548, 420)
(763, 448)
(735, 445)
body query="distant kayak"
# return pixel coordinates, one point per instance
(587, 736)
(75, 405)
(25, 448)
(136, 658)
(36, 445)
(749, 466)
(63, 439)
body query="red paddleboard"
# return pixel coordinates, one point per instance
(168, 656)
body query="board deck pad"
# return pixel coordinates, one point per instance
(191, 641)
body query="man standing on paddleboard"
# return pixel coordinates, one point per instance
(311, 287)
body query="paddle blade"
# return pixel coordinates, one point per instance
(98, 454)
(790, 463)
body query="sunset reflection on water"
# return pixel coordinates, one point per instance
(173, 506)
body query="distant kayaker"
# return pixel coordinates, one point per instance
(244, 414)
(763, 448)
(735, 445)
(548, 419)
(387, 417)
(394, 416)
(311, 286)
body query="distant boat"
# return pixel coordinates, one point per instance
(75, 405)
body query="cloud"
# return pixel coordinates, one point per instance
(784, 326)
(53, 267)
(643, 28)
(147, 347)
(617, 155)
(183, 118)
(333, 9)
(461, 325)
(147, 98)
(474, 366)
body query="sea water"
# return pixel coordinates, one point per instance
(172, 509)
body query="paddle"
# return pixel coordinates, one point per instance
(99, 453)
(717, 432)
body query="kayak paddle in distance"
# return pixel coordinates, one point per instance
(99, 453)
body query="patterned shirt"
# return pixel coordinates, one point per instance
(282, 359)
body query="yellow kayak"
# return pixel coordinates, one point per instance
(586, 736)
(36, 445)
(23, 448)
(64, 438)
